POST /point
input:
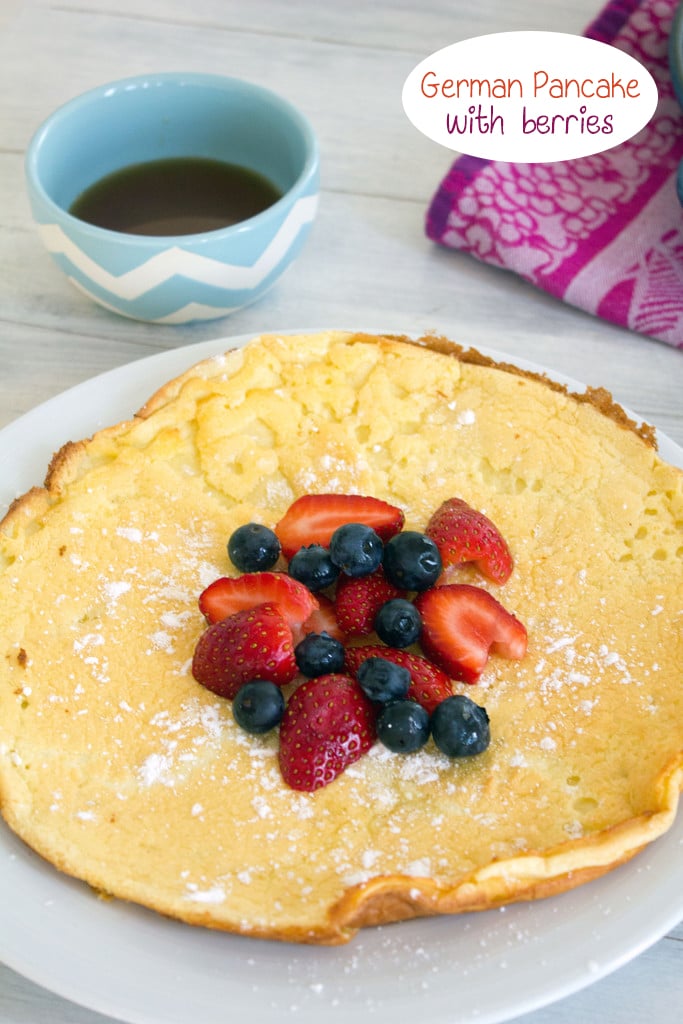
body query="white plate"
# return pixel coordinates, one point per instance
(132, 964)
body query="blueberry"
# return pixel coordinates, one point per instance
(258, 706)
(253, 548)
(460, 727)
(403, 726)
(313, 567)
(398, 622)
(319, 653)
(382, 681)
(356, 549)
(412, 561)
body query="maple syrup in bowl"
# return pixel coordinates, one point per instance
(174, 197)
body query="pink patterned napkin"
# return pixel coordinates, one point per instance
(604, 232)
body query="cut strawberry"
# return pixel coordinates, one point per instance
(463, 534)
(229, 594)
(359, 598)
(313, 518)
(254, 643)
(328, 724)
(428, 684)
(322, 620)
(462, 625)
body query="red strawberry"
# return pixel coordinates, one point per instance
(328, 724)
(322, 620)
(462, 624)
(231, 594)
(313, 518)
(359, 598)
(255, 643)
(464, 535)
(428, 684)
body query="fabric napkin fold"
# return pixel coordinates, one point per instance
(604, 232)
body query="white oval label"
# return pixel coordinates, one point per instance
(529, 97)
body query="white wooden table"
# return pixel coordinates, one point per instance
(367, 262)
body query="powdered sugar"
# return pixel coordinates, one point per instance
(115, 589)
(157, 769)
(131, 533)
(181, 738)
(86, 815)
(88, 640)
(421, 868)
(215, 894)
(369, 858)
(162, 641)
(262, 807)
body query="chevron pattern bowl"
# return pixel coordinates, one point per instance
(182, 278)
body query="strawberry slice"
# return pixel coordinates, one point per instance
(313, 518)
(462, 625)
(255, 643)
(322, 620)
(462, 534)
(428, 684)
(328, 724)
(231, 594)
(359, 598)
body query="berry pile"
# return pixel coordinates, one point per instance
(353, 573)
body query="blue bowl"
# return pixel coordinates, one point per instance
(180, 278)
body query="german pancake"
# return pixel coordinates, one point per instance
(120, 769)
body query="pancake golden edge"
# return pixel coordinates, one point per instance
(116, 766)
